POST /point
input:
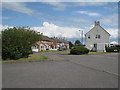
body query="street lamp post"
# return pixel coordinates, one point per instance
(81, 36)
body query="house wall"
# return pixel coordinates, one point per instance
(97, 30)
(101, 47)
(35, 48)
(45, 45)
(42, 47)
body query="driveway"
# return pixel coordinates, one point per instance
(64, 71)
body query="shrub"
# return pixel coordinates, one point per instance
(112, 49)
(78, 50)
(17, 42)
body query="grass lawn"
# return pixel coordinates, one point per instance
(48, 51)
(65, 52)
(94, 53)
(31, 58)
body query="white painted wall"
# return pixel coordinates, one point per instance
(97, 30)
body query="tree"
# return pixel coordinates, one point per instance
(78, 43)
(70, 45)
(17, 42)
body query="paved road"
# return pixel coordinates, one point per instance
(65, 71)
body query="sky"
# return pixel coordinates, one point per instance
(61, 19)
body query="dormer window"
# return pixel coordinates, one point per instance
(97, 37)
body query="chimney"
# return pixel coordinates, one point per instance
(97, 23)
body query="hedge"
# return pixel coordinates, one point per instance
(79, 50)
(112, 49)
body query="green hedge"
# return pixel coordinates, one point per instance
(78, 50)
(112, 49)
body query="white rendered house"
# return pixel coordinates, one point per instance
(97, 38)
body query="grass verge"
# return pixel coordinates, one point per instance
(95, 53)
(47, 51)
(31, 58)
(65, 52)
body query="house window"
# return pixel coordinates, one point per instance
(89, 36)
(97, 36)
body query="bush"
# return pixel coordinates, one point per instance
(112, 49)
(17, 42)
(78, 50)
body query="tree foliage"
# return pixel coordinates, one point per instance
(70, 45)
(78, 43)
(17, 42)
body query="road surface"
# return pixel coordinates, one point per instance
(64, 71)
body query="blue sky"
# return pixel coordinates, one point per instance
(61, 19)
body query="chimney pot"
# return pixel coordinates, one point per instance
(97, 23)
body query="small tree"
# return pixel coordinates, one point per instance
(78, 43)
(70, 45)
(17, 42)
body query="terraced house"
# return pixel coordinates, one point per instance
(48, 43)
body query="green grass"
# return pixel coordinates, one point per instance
(94, 53)
(48, 51)
(31, 58)
(65, 52)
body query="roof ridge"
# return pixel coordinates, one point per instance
(100, 27)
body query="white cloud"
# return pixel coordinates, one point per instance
(18, 6)
(57, 5)
(60, 5)
(113, 32)
(112, 7)
(22, 8)
(3, 27)
(111, 20)
(3, 17)
(87, 3)
(88, 13)
(52, 30)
